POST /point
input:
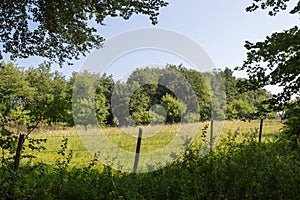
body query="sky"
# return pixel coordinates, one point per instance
(220, 28)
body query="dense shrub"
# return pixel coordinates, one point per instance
(235, 170)
(292, 123)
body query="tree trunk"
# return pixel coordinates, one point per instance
(19, 152)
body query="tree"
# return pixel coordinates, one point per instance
(120, 102)
(17, 121)
(275, 6)
(201, 90)
(217, 94)
(245, 105)
(292, 124)
(60, 30)
(145, 75)
(174, 108)
(88, 100)
(144, 105)
(239, 109)
(103, 100)
(230, 83)
(50, 102)
(14, 90)
(280, 54)
(62, 103)
(140, 103)
(276, 61)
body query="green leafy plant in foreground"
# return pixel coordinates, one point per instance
(236, 169)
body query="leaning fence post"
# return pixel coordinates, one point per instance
(211, 134)
(137, 151)
(260, 129)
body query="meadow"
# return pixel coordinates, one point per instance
(155, 137)
(238, 168)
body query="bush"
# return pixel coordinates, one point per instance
(235, 170)
(292, 123)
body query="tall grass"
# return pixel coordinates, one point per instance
(238, 168)
(154, 138)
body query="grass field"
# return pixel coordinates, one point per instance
(154, 138)
(239, 167)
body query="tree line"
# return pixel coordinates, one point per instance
(149, 95)
(279, 52)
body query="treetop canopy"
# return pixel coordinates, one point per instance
(59, 30)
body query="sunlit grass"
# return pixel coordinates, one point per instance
(154, 138)
(54, 141)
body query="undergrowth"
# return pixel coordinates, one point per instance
(234, 170)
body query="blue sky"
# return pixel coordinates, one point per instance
(219, 27)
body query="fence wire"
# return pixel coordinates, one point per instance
(81, 155)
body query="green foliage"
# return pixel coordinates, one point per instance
(192, 117)
(27, 99)
(91, 98)
(144, 75)
(145, 104)
(40, 95)
(275, 61)
(235, 170)
(60, 31)
(174, 108)
(275, 6)
(120, 102)
(244, 104)
(50, 101)
(218, 95)
(84, 113)
(139, 106)
(15, 93)
(103, 100)
(157, 114)
(239, 109)
(292, 125)
(8, 143)
(33, 95)
(10, 179)
(279, 53)
(201, 89)
(145, 89)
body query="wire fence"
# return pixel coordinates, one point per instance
(82, 154)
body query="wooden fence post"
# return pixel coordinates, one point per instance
(260, 130)
(137, 151)
(211, 134)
